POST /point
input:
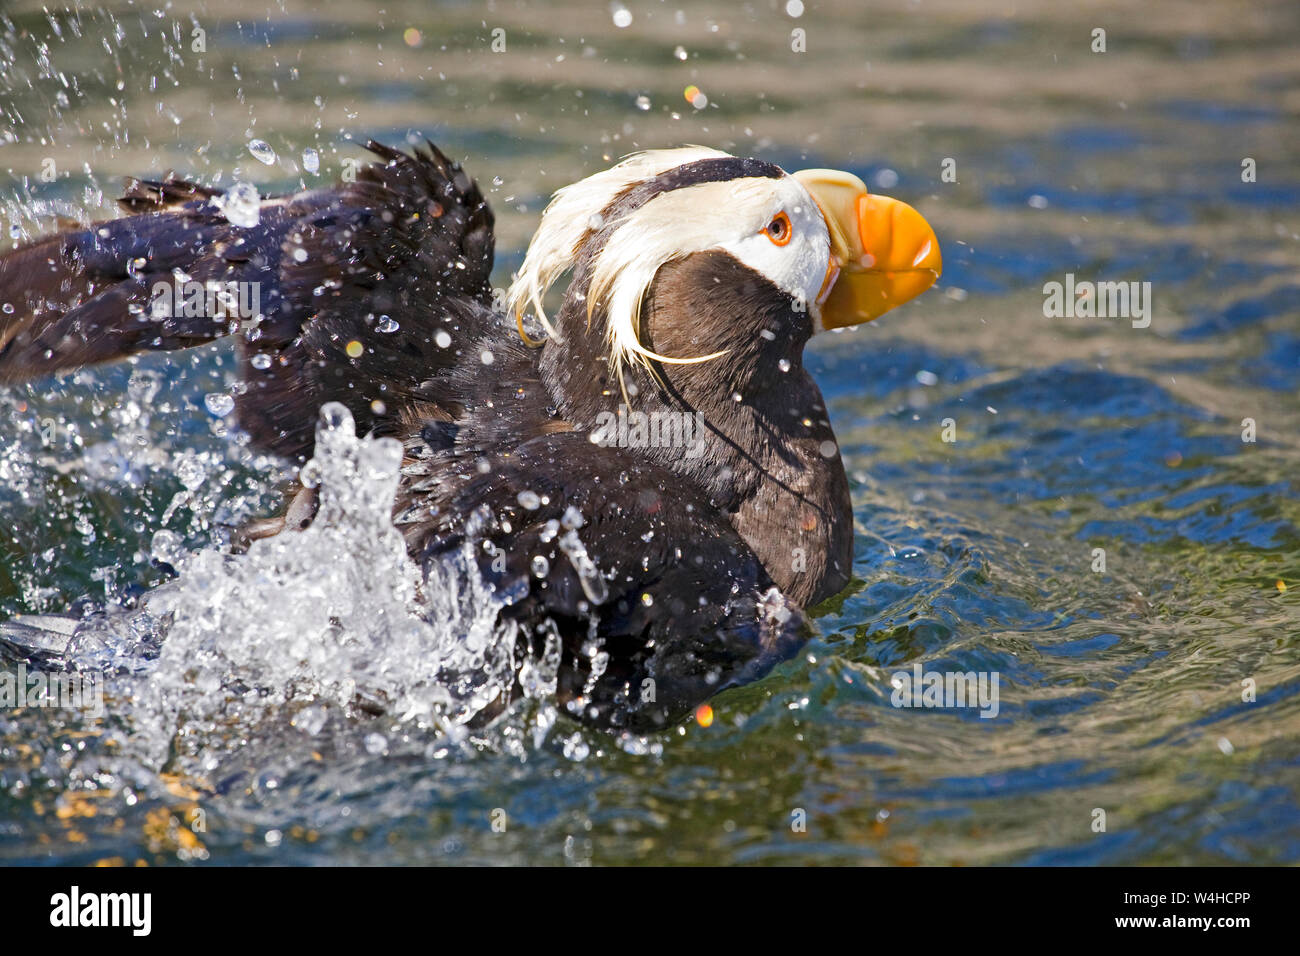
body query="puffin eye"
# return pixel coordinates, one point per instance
(779, 229)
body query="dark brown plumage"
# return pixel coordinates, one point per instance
(408, 232)
(704, 562)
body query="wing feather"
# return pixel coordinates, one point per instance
(383, 261)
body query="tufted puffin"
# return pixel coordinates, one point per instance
(656, 566)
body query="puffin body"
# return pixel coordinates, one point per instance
(652, 565)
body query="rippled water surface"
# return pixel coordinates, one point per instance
(1121, 689)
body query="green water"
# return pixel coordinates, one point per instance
(1121, 690)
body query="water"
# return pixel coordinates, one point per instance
(1121, 689)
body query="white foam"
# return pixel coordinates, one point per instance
(336, 616)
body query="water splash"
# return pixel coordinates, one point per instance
(241, 204)
(334, 622)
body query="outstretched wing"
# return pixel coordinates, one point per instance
(350, 289)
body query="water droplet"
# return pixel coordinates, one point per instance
(643, 102)
(219, 403)
(335, 417)
(241, 205)
(783, 365)
(622, 15)
(311, 160)
(311, 720)
(541, 567)
(262, 151)
(794, 8)
(575, 748)
(387, 324)
(593, 585)
(680, 53)
(260, 361)
(442, 339)
(190, 471)
(529, 499)
(143, 386)
(167, 547)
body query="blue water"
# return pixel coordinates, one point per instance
(1120, 690)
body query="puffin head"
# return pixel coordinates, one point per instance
(815, 242)
(697, 278)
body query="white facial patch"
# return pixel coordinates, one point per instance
(799, 267)
(727, 215)
(730, 216)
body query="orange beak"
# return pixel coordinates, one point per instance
(883, 252)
